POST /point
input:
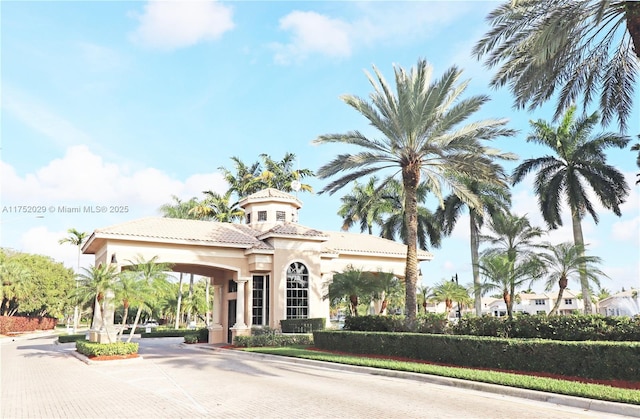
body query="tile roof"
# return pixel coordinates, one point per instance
(174, 229)
(240, 235)
(343, 242)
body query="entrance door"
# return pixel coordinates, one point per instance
(231, 315)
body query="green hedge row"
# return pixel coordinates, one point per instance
(100, 349)
(597, 360)
(273, 339)
(568, 328)
(302, 325)
(574, 327)
(203, 334)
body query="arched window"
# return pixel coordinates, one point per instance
(297, 291)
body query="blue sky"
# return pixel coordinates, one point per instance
(127, 103)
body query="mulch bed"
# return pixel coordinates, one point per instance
(112, 357)
(633, 385)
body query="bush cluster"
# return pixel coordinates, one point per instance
(191, 338)
(425, 323)
(271, 337)
(105, 349)
(71, 338)
(596, 360)
(17, 324)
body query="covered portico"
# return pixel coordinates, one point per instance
(261, 272)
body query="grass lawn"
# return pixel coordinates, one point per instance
(550, 385)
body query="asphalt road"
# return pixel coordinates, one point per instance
(41, 379)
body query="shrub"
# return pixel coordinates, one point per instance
(71, 338)
(191, 338)
(203, 334)
(106, 349)
(17, 324)
(273, 339)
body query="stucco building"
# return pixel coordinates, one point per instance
(268, 269)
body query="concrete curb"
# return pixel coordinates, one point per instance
(559, 399)
(88, 361)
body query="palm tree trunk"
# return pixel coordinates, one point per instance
(190, 298)
(124, 320)
(578, 240)
(179, 302)
(410, 180)
(554, 310)
(135, 324)
(632, 15)
(475, 245)
(208, 300)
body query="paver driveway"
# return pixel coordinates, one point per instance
(42, 380)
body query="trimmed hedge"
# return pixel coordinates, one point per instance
(569, 328)
(105, 349)
(18, 324)
(425, 323)
(71, 338)
(302, 325)
(203, 334)
(273, 339)
(597, 360)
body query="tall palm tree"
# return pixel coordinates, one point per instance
(508, 276)
(76, 238)
(494, 199)
(450, 292)
(573, 49)
(218, 207)
(363, 206)
(579, 161)
(563, 262)
(422, 136)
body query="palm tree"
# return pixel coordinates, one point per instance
(388, 288)
(421, 137)
(281, 175)
(363, 205)
(244, 181)
(494, 199)
(570, 48)
(95, 282)
(15, 284)
(502, 274)
(351, 284)
(394, 220)
(218, 207)
(636, 147)
(128, 291)
(425, 293)
(77, 239)
(152, 277)
(179, 208)
(563, 262)
(514, 237)
(579, 161)
(450, 292)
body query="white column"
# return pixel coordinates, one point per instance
(217, 305)
(240, 323)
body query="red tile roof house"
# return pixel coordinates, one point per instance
(266, 270)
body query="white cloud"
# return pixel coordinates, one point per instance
(42, 241)
(313, 33)
(169, 25)
(82, 177)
